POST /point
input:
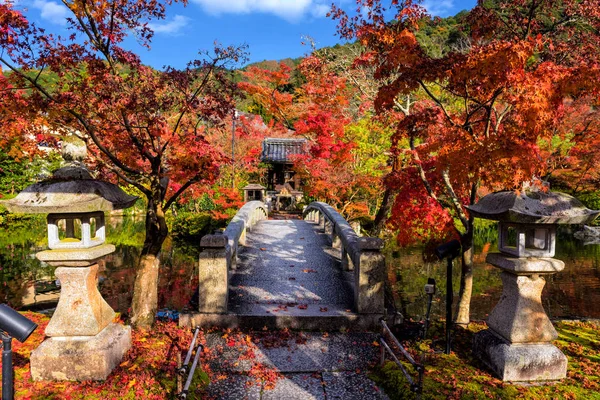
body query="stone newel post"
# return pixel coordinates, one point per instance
(83, 341)
(517, 346)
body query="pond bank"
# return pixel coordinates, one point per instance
(574, 293)
(25, 282)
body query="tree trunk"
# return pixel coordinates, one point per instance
(383, 212)
(145, 291)
(466, 277)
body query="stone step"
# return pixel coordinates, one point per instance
(333, 320)
(293, 309)
(316, 386)
(343, 385)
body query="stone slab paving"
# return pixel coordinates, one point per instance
(286, 263)
(348, 385)
(297, 386)
(235, 386)
(303, 352)
(314, 365)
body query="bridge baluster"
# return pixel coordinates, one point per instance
(213, 267)
(328, 229)
(219, 254)
(347, 264)
(336, 241)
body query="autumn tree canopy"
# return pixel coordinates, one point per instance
(480, 109)
(504, 93)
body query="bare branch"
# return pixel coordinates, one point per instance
(501, 117)
(182, 189)
(120, 174)
(419, 165)
(454, 199)
(438, 102)
(134, 138)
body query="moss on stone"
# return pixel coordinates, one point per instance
(460, 375)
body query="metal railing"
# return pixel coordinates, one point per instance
(186, 369)
(416, 385)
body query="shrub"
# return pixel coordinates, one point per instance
(193, 224)
(592, 201)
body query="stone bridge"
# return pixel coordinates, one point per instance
(315, 273)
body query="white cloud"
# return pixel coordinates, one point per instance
(290, 10)
(320, 10)
(440, 8)
(172, 27)
(51, 11)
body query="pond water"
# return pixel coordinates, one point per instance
(26, 283)
(572, 293)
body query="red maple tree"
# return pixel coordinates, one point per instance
(319, 111)
(480, 110)
(144, 126)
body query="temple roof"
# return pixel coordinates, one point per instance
(276, 150)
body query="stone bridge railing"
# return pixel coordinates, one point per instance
(218, 256)
(359, 254)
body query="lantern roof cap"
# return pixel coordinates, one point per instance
(71, 189)
(533, 207)
(254, 186)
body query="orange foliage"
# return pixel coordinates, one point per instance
(479, 114)
(317, 111)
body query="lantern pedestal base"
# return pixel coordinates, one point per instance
(519, 362)
(81, 358)
(519, 316)
(81, 310)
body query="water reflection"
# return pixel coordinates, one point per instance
(27, 283)
(572, 293)
(576, 290)
(19, 269)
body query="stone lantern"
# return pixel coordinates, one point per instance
(254, 191)
(83, 342)
(517, 346)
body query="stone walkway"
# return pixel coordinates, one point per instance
(320, 366)
(288, 269)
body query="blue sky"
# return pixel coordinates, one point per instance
(273, 29)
